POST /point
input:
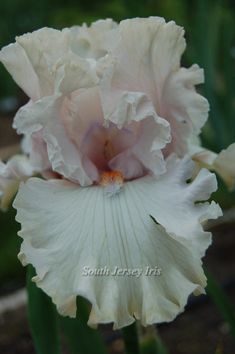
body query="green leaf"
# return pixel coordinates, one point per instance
(130, 336)
(42, 317)
(81, 338)
(221, 301)
(208, 20)
(10, 267)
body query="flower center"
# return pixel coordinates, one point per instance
(112, 181)
(108, 150)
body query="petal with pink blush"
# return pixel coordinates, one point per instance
(63, 154)
(153, 68)
(136, 111)
(46, 115)
(81, 110)
(101, 144)
(143, 66)
(128, 164)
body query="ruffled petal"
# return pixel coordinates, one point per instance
(144, 65)
(183, 107)
(38, 52)
(72, 73)
(94, 41)
(34, 146)
(132, 109)
(43, 62)
(186, 202)
(71, 232)
(46, 116)
(150, 71)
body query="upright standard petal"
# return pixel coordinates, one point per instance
(31, 58)
(94, 41)
(124, 263)
(19, 66)
(149, 70)
(43, 62)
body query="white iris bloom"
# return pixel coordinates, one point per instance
(107, 124)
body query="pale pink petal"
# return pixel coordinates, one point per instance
(150, 69)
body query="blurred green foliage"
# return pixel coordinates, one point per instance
(10, 267)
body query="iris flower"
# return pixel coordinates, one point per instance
(108, 134)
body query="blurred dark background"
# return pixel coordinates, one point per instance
(210, 34)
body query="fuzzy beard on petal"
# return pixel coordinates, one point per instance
(69, 233)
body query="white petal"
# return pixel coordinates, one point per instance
(44, 47)
(8, 189)
(17, 169)
(73, 73)
(66, 228)
(183, 107)
(143, 66)
(128, 107)
(62, 152)
(148, 62)
(222, 163)
(31, 58)
(94, 41)
(19, 66)
(183, 197)
(46, 115)
(42, 62)
(30, 117)
(149, 70)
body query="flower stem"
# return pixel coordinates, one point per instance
(131, 339)
(152, 343)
